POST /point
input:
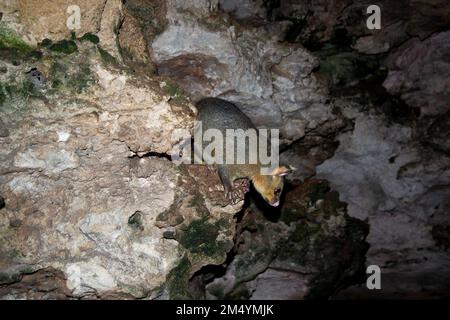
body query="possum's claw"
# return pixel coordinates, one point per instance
(234, 196)
(237, 193)
(243, 184)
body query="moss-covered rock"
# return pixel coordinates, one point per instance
(200, 237)
(45, 43)
(14, 95)
(69, 74)
(178, 280)
(314, 239)
(6, 278)
(90, 37)
(12, 47)
(9, 39)
(174, 91)
(64, 46)
(107, 58)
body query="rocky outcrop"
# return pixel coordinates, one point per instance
(88, 187)
(272, 82)
(400, 185)
(413, 73)
(92, 207)
(58, 20)
(279, 254)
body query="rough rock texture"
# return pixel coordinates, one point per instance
(315, 23)
(51, 20)
(412, 73)
(272, 82)
(401, 186)
(279, 254)
(91, 206)
(86, 182)
(390, 89)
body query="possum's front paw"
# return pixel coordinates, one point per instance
(234, 195)
(237, 193)
(242, 184)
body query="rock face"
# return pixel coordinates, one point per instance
(87, 185)
(400, 186)
(413, 76)
(58, 20)
(391, 166)
(91, 205)
(272, 82)
(282, 258)
(320, 22)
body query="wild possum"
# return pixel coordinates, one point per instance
(215, 113)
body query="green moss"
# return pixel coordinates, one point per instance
(174, 91)
(6, 278)
(14, 254)
(56, 83)
(178, 280)
(135, 291)
(64, 46)
(201, 237)
(106, 57)
(10, 40)
(14, 95)
(90, 37)
(197, 201)
(46, 43)
(70, 75)
(223, 224)
(12, 47)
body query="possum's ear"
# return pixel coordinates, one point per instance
(282, 170)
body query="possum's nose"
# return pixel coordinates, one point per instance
(275, 204)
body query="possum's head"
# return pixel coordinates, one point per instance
(270, 186)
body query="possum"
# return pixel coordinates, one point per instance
(215, 113)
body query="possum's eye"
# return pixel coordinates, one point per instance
(277, 191)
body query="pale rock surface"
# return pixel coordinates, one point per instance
(78, 196)
(242, 66)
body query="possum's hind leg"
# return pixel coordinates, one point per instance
(232, 194)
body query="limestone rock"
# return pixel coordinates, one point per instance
(48, 19)
(58, 20)
(241, 66)
(412, 73)
(87, 183)
(399, 185)
(277, 247)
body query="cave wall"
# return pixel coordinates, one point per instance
(91, 198)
